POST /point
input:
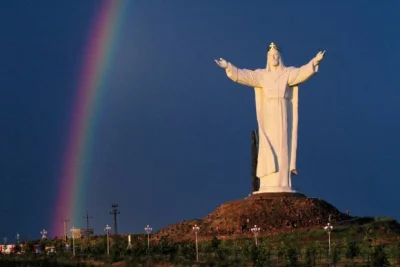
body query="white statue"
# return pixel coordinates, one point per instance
(276, 97)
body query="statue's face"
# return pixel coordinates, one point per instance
(273, 57)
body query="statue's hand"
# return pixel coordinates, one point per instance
(319, 57)
(222, 63)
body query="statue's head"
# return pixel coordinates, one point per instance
(274, 57)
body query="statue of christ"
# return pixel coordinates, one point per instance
(276, 99)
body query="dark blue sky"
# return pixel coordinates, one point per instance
(173, 136)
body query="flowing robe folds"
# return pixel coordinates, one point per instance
(276, 98)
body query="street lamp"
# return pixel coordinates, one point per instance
(17, 239)
(107, 229)
(196, 229)
(255, 230)
(148, 230)
(44, 234)
(73, 240)
(328, 228)
(5, 240)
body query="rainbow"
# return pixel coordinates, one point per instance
(98, 54)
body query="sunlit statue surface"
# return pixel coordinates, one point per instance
(276, 99)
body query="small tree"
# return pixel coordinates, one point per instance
(215, 242)
(265, 257)
(237, 255)
(289, 254)
(189, 251)
(310, 255)
(281, 251)
(379, 257)
(318, 249)
(336, 254)
(395, 252)
(353, 250)
(254, 254)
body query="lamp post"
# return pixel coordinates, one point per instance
(107, 229)
(44, 234)
(5, 240)
(73, 240)
(255, 230)
(196, 229)
(17, 239)
(148, 230)
(328, 228)
(129, 243)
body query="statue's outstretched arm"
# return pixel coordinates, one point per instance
(246, 77)
(302, 74)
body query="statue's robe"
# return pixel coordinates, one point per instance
(276, 99)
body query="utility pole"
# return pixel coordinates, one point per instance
(87, 219)
(115, 212)
(87, 226)
(65, 223)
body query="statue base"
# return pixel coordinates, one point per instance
(279, 182)
(275, 189)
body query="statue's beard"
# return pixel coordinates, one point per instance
(275, 63)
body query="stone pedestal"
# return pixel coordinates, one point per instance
(276, 183)
(275, 189)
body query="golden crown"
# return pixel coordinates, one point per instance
(273, 46)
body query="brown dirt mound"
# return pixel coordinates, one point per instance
(273, 213)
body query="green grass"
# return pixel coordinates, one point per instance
(359, 228)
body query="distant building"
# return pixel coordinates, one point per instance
(7, 249)
(37, 249)
(50, 250)
(77, 233)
